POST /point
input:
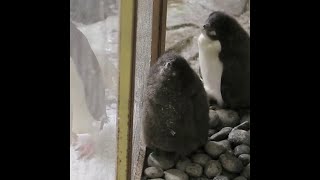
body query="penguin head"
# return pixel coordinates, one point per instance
(219, 25)
(174, 68)
(173, 64)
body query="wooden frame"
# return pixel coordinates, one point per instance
(127, 74)
(126, 87)
(159, 21)
(157, 30)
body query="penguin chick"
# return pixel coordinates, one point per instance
(224, 58)
(176, 112)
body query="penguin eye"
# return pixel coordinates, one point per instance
(168, 64)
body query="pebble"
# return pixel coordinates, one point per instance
(231, 163)
(240, 178)
(162, 162)
(239, 136)
(245, 158)
(244, 126)
(212, 169)
(175, 174)
(214, 149)
(229, 174)
(153, 172)
(198, 178)
(201, 159)
(225, 143)
(246, 172)
(241, 149)
(211, 132)
(245, 118)
(228, 118)
(213, 119)
(183, 163)
(194, 170)
(221, 135)
(221, 178)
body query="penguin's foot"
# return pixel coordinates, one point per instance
(85, 146)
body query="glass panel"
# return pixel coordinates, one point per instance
(179, 127)
(94, 26)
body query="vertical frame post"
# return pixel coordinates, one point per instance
(151, 32)
(159, 21)
(126, 87)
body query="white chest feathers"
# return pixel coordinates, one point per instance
(211, 67)
(82, 120)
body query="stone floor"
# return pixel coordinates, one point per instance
(226, 155)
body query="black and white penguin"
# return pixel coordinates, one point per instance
(87, 93)
(224, 58)
(176, 111)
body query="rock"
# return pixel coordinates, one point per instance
(212, 169)
(156, 179)
(239, 136)
(175, 174)
(228, 118)
(194, 170)
(240, 178)
(244, 126)
(221, 135)
(183, 40)
(221, 178)
(230, 151)
(246, 172)
(225, 143)
(88, 12)
(245, 118)
(231, 163)
(233, 7)
(214, 149)
(245, 158)
(153, 172)
(244, 20)
(200, 159)
(198, 178)
(211, 132)
(241, 149)
(229, 174)
(162, 161)
(183, 163)
(214, 119)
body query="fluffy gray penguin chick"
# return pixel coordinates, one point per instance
(176, 112)
(224, 59)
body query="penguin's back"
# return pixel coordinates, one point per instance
(175, 110)
(235, 86)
